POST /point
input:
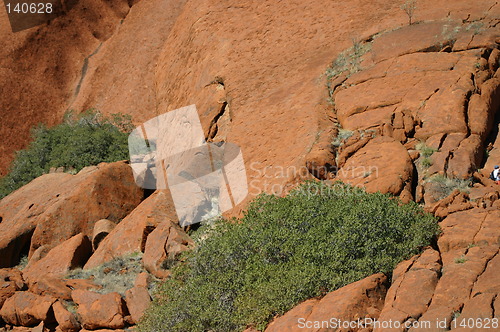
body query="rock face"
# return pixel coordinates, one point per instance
(252, 69)
(61, 51)
(138, 300)
(459, 281)
(362, 299)
(32, 216)
(66, 320)
(405, 87)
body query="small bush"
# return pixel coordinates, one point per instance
(342, 136)
(447, 185)
(460, 260)
(117, 275)
(425, 151)
(81, 140)
(285, 250)
(23, 262)
(409, 8)
(426, 162)
(349, 61)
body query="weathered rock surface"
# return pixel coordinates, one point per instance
(138, 300)
(434, 81)
(163, 246)
(27, 309)
(100, 311)
(131, 233)
(101, 229)
(460, 280)
(472, 227)
(70, 254)
(11, 280)
(66, 320)
(59, 288)
(60, 51)
(55, 207)
(372, 168)
(362, 299)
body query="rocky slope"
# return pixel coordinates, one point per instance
(415, 100)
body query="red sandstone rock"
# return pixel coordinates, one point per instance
(52, 84)
(100, 311)
(466, 158)
(138, 300)
(164, 244)
(458, 269)
(101, 229)
(66, 320)
(55, 207)
(68, 255)
(11, 280)
(481, 110)
(131, 233)
(464, 228)
(27, 309)
(371, 167)
(420, 277)
(357, 300)
(59, 288)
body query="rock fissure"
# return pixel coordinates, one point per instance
(479, 228)
(84, 70)
(214, 128)
(488, 260)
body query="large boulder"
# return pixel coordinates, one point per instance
(55, 207)
(163, 245)
(131, 233)
(59, 288)
(100, 311)
(471, 227)
(27, 309)
(67, 321)
(362, 299)
(11, 280)
(383, 164)
(138, 300)
(70, 254)
(101, 229)
(416, 276)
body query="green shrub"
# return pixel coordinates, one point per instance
(425, 151)
(23, 262)
(460, 260)
(81, 140)
(343, 135)
(445, 186)
(348, 62)
(426, 162)
(117, 275)
(285, 250)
